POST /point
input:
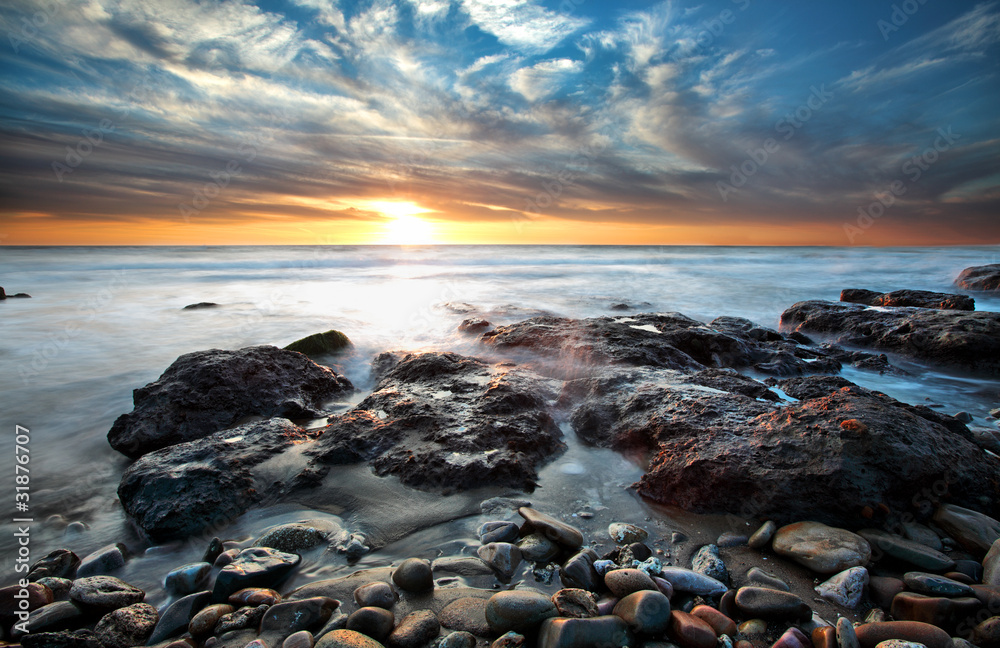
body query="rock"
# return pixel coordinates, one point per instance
(753, 627)
(346, 639)
(987, 633)
(793, 638)
(914, 553)
(761, 538)
(203, 623)
(846, 635)
(466, 614)
(758, 576)
(414, 575)
(824, 637)
(729, 539)
(300, 639)
(917, 298)
(177, 617)
(376, 594)
(291, 538)
(624, 533)
(938, 611)
(61, 639)
(54, 617)
(921, 534)
(599, 632)
(508, 640)
(415, 629)
(690, 631)
(882, 589)
(845, 588)
(467, 567)
(579, 572)
(242, 619)
(984, 277)
(187, 579)
(953, 338)
(318, 344)
(707, 561)
(765, 603)
(721, 624)
(821, 548)
(11, 598)
(375, 622)
(474, 326)
(288, 617)
(502, 557)
(555, 530)
(623, 582)
(201, 306)
(102, 561)
(872, 634)
(645, 612)
(127, 626)
(537, 548)
(458, 639)
(575, 603)
(991, 566)
(925, 583)
(690, 581)
(61, 563)
(105, 593)
(254, 567)
(254, 596)
(59, 587)
(973, 530)
(499, 532)
(518, 610)
(899, 643)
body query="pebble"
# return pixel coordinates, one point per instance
(771, 604)
(203, 623)
(731, 539)
(413, 575)
(61, 563)
(899, 643)
(845, 588)
(821, 548)
(599, 632)
(974, 531)
(376, 594)
(254, 567)
(690, 581)
(254, 596)
(127, 626)
(176, 618)
(708, 562)
(559, 532)
(241, 619)
(106, 559)
(624, 533)
(761, 538)
(908, 551)
(963, 416)
(415, 629)
(187, 579)
(925, 583)
(214, 550)
(467, 613)
(289, 617)
(291, 538)
(58, 586)
(37, 596)
(652, 566)
(502, 557)
(987, 633)
(226, 557)
(846, 636)
(575, 603)
(991, 566)
(508, 640)
(375, 622)
(300, 639)
(690, 631)
(758, 576)
(645, 612)
(623, 582)
(936, 610)
(824, 637)
(922, 534)
(793, 638)
(498, 532)
(664, 586)
(602, 567)
(518, 610)
(579, 571)
(872, 634)
(721, 624)
(346, 639)
(536, 547)
(105, 592)
(753, 627)
(53, 616)
(458, 639)
(882, 589)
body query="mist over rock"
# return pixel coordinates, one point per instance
(918, 298)
(984, 277)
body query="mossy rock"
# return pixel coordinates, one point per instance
(321, 343)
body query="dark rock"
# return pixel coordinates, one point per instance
(908, 551)
(103, 560)
(623, 582)
(286, 618)
(508, 640)
(346, 639)
(991, 565)
(376, 594)
(60, 587)
(872, 634)
(127, 626)
(241, 619)
(207, 391)
(690, 631)
(215, 549)
(707, 561)
(503, 557)
(10, 601)
(987, 633)
(61, 639)
(317, 344)
(985, 277)
(498, 532)
(598, 632)
(933, 584)
(200, 306)
(555, 530)
(204, 621)
(297, 536)
(467, 614)
(254, 567)
(757, 576)
(414, 575)
(254, 596)
(692, 582)
(821, 548)
(579, 572)
(759, 602)
(721, 624)
(645, 612)
(575, 603)
(187, 578)
(917, 298)
(518, 610)
(414, 630)
(458, 639)
(883, 589)
(375, 622)
(105, 593)
(962, 339)
(939, 611)
(61, 563)
(62, 615)
(178, 615)
(975, 531)
(474, 325)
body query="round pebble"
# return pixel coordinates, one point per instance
(375, 622)
(300, 639)
(624, 533)
(377, 594)
(346, 639)
(518, 610)
(413, 575)
(623, 582)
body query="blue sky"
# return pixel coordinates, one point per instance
(767, 121)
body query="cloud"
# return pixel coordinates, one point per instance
(522, 24)
(544, 78)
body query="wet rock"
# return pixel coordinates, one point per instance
(508, 640)
(415, 629)
(61, 563)
(899, 643)
(300, 639)
(824, 637)
(882, 589)
(254, 567)
(254, 596)
(645, 612)
(105, 593)
(984, 277)
(466, 614)
(821, 548)
(579, 572)
(729, 539)
(518, 610)
(10, 600)
(707, 561)
(975, 531)
(935, 610)
(917, 298)
(921, 534)
(753, 627)
(62, 615)
(623, 582)
(214, 550)
(376, 594)
(102, 561)
(201, 306)
(187, 579)
(203, 623)
(721, 624)
(987, 633)
(298, 536)
(963, 339)
(458, 639)
(127, 626)
(575, 603)
(207, 391)
(318, 344)
(413, 575)
(499, 532)
(761, 538)
(177, 617)
(690, 581)
(503, 557)
(771, 604)
(346, 639)
(242, 619)
(845, 588)
(61, 639)
(537, 548)
(283, 619)
(793, 638)
(914, 553)
(847, 637)
(690, 631)
(599, 632)
(474, 326)
(758, 576)
(555, 530)
(933, 584)
(375, 622)
(871, 634)
(991, 566)
(60, 587)
(624, 533)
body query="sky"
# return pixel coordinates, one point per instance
(737, 122)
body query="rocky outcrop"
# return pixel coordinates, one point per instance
(325, 343)
(960, 339)
(917, 298)
(207, 391)
(985, 277)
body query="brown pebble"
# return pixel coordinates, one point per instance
(300, 639)
(727, 604)
(872, 634)
(824, 637)
(204, 622)
(722, 624)
(254, 596)
(690, 631)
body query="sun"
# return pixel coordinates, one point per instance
(404, 227)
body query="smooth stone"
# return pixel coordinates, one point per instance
(793, 638)
(535, 547)
(177, 617)
(559, 532)
(623, 533)
(845, 588)
(254, 567)
(935, 610)
(899, 643)
(203, 623)
(731, 539)
(467, 614)
(824, 637)
(289, 617)
(127, 626)
(575, 603)
(346, 639)
(758, 576)
(54, 617)
(214, 550)
(690, 631)
(508, 640)
(499, 532)
(908, 551)
(721, 623)
(458, 639)
(61, 563)
(987, 633)
(690, 581)
(415, 629)
(922, 534)
(708, 562)
(187, 579)
(518, 610)
(376, 594)
(414, 575)
(226, 557)
(664, 586)
(106, 559)
(502, 557)
(936, 585)
(465, 566)
(974, 531)
(623, 582)
(300, 639)
(821, 548)
(872, 634)
(241, 619)
(991, 566)
(882, 589)
(960, 577)
(254, 596)
(59, 586)
(971, 568)
(761, 538)
(727, 604)
(771, 604)
(645, 612)
(375, 622)
(105, 592)
(37, 596)
(753, 627)
(291, 538)
(598, 632)
(578, 571)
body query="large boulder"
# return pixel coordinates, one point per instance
(207, 391)
(918, 298)
(985, 277)
(961, 339)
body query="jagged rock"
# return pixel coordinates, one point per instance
(918, 298)
(985, 277)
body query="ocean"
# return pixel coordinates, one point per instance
(105, 320)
